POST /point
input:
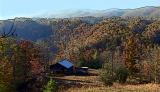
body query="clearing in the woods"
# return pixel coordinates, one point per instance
(91, 83)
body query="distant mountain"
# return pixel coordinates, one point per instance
(35, 29)
(144, 11)
(149, 11)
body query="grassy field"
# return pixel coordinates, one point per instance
(91, 83)
(119, 88)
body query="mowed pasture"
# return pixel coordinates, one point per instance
(91, 83)
(119, 88)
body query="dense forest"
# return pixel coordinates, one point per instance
(124, 48)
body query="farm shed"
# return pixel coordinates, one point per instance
(64, 66)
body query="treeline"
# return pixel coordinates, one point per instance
(22, 66)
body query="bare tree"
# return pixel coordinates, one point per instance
(10, 32)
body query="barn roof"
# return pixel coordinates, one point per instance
(66, 63)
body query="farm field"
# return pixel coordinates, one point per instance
(119, 88)
(91, 83)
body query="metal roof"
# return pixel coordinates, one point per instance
(66, 63)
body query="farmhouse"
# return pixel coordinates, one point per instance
(64, 66)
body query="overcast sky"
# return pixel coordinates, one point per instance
(31, 8)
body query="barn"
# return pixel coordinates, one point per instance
(62, 67)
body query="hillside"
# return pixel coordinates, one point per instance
(93, 29)
(69, 35)
(27, 28)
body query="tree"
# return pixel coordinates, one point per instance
(106, 75)
(154, 58)
(10, 32)
(34, 56)
(13, 66)
(132, 54)
(51, 86)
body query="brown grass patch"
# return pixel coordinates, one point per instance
(91, 83)
(119, 88)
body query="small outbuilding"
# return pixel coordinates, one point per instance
(82, 71)
(64, 67)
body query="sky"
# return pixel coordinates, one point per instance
(32, 8)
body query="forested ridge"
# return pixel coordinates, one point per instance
(118, 46)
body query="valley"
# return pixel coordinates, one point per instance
(116, 50)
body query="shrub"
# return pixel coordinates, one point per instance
(106, 79)
(106, 75)
(122, 74)
(7, 88)
(51, 86)
(3, 88)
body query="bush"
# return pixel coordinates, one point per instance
(51, 86)
(3, 88)
(107, 76)
(122, 74)
(8, 88)
(106, 79)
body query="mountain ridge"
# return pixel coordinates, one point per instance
(142, 11)
(40, 28)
